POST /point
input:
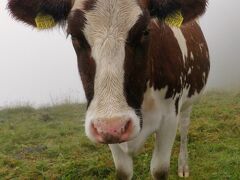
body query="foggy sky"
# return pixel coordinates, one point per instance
(221, 27)
(41, 67)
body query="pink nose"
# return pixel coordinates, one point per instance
(112, 131)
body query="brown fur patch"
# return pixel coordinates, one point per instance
(86, 65)
(166, 60)
(135, 66)
(76, 22)
(177, 105)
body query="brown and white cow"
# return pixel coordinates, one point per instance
(140, 75)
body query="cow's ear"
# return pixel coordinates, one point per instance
(182, 10)
(42, 14)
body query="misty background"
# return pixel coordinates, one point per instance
(41, 67)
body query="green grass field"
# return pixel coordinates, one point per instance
(49, 143)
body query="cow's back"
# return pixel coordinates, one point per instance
(178, 59)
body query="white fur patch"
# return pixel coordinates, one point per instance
(192, 56)
(198, 21)
(156, 21)
(181, 41)
(106, 31)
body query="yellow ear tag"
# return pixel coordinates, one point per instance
(44, 21)
(174, 19)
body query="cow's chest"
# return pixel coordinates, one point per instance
(155, 109)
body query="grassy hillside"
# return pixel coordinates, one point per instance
(49, 143)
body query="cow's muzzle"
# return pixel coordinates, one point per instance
(112, 131)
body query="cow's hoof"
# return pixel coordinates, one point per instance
(163, 175)
(183, 171)
(121, 175)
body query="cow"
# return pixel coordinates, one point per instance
(140, 73)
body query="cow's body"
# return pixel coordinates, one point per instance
(177, 76)
(140, 75)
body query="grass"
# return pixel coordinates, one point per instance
(49, 143)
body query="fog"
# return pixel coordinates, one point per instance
(221, 27)
(41, 68)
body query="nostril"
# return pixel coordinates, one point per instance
(93, 128)
(127, 130)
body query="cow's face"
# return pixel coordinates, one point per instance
(111, 39)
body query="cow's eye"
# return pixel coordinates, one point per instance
(146, 32)
(73, 37)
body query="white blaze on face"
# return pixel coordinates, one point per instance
(106, 30)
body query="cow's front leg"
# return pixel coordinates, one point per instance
(165, 137)
(183, 168)
(123, 163)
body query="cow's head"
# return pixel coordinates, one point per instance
(110, 38)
